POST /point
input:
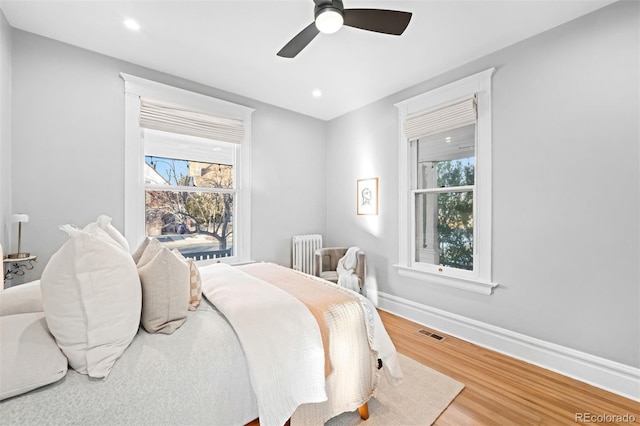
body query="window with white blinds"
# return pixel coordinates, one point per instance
(187, 171)
(445, 185)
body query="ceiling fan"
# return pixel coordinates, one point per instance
(330, 15)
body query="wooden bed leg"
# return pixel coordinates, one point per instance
(363, 410)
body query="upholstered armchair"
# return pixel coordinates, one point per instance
(326, 262)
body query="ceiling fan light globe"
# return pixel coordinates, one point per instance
(329, 21)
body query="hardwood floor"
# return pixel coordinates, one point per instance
(500, 390)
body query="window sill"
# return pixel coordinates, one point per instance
(231, 260)
(473, 285)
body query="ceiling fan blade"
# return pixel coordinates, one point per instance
(379, 20)
(299, 42)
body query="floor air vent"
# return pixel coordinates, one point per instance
(430, 334)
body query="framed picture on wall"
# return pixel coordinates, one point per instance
(367, 196)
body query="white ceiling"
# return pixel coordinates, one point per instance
(232, 45)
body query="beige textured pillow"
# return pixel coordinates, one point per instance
(21, 299)
(29, 354)
(140, 250)
(150, 248)
(92, 299)
(195, 281)
(165, 289)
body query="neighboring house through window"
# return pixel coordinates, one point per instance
(187, 171)
(445, 185)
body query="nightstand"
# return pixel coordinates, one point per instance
(17, 267)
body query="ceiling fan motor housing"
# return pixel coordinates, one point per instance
(329, 16)
(323, 6)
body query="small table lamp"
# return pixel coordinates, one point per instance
(21, 217)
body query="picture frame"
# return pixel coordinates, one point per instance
(367, 196)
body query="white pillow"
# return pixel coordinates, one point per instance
(165, 289)
(104, 222)
(21, 299)
(30, 356)
(92, 299)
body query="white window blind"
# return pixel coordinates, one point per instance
(427, 123)
(159, 115)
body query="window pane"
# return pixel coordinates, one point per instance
(447, 159)
(172, 171)
(444, 229)
(199, 225)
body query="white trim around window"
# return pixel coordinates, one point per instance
(134, 206)
(480, 280)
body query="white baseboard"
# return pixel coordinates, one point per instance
(608, 375)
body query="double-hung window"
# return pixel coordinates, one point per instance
(189, 193)
(187, 180)
(445, 185)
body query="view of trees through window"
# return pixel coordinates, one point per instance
(455, 214)
(189, 206)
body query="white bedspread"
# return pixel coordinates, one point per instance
(271, 340)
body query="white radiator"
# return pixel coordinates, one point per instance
(302, 249)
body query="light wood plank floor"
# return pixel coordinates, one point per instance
(500, 390)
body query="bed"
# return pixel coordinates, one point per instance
(231, 361)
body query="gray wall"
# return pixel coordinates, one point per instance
(68, 135)
(5, 133)
(565, 196)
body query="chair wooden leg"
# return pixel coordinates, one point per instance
(363, 410)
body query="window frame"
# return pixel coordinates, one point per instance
(134, 185)
(480, 279)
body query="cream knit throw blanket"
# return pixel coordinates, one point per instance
(347, 277)
(270, 339)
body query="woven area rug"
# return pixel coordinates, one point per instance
(421, 397)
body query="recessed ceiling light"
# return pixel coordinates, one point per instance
(132, 24)
(316, 93)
